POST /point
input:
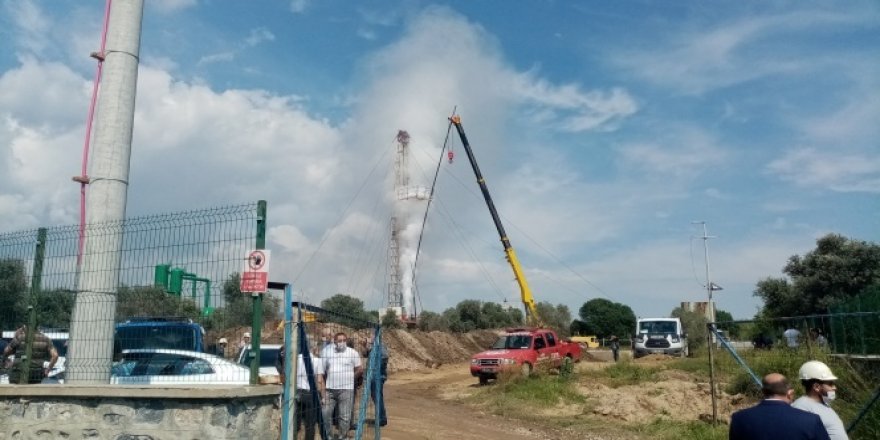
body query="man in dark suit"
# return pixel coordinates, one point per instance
(774, 418)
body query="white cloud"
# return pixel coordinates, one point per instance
(254, 38)
(291, 239)
(169, 6)
(298, 6)
(32, 25)
(257, 36)
(681, 151)
(221, 57)
(721, 55)
(588, 110)
(837, 171)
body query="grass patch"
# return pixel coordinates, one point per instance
(671, 430)
(698, 366)
(542, 391)
(625, 373)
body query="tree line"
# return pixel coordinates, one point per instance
(838, 270)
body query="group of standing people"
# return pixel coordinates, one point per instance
(779, 417)
(338, 374)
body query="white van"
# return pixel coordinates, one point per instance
(660, 336)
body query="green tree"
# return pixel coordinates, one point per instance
(838, 269)
(556, 317)
(13, 293)
(431, 321)
(494, 316)
(390, 320)
(470, 312)
(732, 329)
(134, 302)
(694, 325)
(517, 317)
(346, 310)
(238, 308)
(605, 318)
(453, 319)
(54, 308)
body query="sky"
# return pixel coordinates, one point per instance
(604, 131)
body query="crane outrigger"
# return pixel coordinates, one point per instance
(531, 308)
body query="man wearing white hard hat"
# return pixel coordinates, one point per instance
(821, 389)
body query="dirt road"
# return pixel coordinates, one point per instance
(421, 406)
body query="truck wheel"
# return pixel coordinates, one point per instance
(526, 369)
(484, 380)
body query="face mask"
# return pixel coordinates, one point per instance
(829, 397)
(340, 346)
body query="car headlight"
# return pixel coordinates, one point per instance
(508, 361)
(475, 361)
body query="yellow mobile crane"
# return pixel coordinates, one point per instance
(532, 317)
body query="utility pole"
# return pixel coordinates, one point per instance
(710, 337)
(93, 317)
(710, 286)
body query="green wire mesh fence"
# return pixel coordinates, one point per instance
(179, 316)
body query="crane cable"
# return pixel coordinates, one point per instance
(427, 208)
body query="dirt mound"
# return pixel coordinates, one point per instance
(414, 350)
(678, 396)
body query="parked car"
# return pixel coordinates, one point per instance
(268, 355)
(523, 349)
(176, 367)
(159, 332)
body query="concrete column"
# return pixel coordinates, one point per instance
(92, 324)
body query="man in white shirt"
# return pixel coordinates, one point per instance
(306, 408)
(792, 337)
(821, 389)
(342, 366)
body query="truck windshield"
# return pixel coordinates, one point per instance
(657, 327)
(513, 342)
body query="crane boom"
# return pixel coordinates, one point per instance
(528, 300)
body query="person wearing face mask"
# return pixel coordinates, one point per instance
(326, 337)
(820, 388)
(342, 367)
(774, 418)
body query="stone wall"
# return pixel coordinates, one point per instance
(109, 414)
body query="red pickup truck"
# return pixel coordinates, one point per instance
(523, 349)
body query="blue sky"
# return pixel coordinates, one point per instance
(604, 130)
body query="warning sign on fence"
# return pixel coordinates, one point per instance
(255, 276)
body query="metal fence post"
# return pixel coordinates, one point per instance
(290, 366)
(711, 328)
(257, 324)
(36, 286)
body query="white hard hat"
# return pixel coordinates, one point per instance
(222, 341)
(816, 370)
(247, 334)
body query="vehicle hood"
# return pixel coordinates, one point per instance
(495, 353)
